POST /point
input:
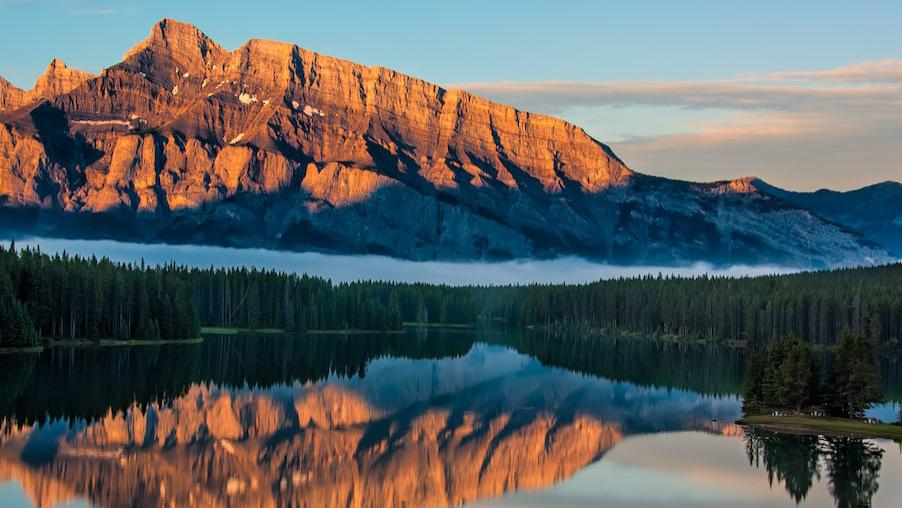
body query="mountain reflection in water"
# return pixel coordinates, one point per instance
(424, 419)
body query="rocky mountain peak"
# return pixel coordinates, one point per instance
(742, 185)
(173, 49)
(58, 79)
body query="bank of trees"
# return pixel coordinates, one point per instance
(70, 297)
(816, 306)
(249, 298)
(787, 374)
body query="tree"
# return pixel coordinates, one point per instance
(16, 329)
(855, 376)
(753, 385)
(798, 375)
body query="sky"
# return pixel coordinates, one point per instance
(804, 94)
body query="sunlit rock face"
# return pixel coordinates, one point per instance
(273, 145)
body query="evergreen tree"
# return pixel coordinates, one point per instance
(855, 376)
(798, 375)
(753, 385)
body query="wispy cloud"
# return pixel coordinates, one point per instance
(804, 129)
(879, 71)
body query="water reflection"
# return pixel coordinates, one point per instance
(426, 419)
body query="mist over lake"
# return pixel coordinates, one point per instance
(343, 268)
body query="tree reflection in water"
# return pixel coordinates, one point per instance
(851, 465)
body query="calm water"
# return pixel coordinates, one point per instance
(433, 418)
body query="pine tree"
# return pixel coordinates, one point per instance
(855, 375)
(753, 385)
(798, 375)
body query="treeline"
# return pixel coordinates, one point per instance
(250, 298)
(72, 297)
(63, 297)
(816, 306)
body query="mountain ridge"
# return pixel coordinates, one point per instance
(875, 210)
(273, 145)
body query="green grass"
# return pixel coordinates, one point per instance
(416, 324)
(824, 425)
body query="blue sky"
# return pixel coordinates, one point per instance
(495, 47)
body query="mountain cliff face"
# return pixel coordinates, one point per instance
(272, 145)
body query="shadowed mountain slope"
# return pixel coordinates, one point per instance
(875, 210)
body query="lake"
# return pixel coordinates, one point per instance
(420, 419)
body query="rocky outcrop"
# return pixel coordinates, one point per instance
(276, 146)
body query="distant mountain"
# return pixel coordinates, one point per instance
(875, 211)
(275, 146)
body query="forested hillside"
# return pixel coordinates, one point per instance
(63, 297)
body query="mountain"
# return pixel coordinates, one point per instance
(57, 79)
(875, 211)
(275, 146)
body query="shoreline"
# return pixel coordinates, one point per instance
(217, 330)
(822, 425)
(84, 343)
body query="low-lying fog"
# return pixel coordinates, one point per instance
(340, 268)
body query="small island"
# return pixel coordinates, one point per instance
(785, 391)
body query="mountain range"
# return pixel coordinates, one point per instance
(271, 145)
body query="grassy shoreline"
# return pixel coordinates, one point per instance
(86, 343)
(119, 343)
(219, 330)
(21, 350)
(824, 425)
(417, 324)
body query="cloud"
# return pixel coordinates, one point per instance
(802, 129)
(879, 71)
